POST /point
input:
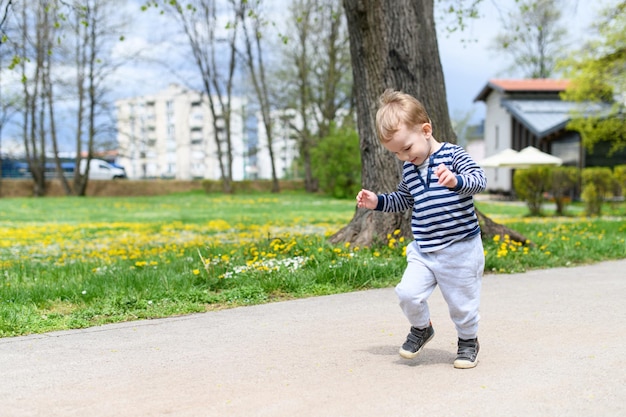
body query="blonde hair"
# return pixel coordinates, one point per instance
(396, 108)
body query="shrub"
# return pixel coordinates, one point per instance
(597, 185)
(530, 184)
(337, 163)
(593, 204)
(563, 182)
(619, 174)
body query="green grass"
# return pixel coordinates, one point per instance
(78, 262)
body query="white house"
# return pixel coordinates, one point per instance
(529, 112)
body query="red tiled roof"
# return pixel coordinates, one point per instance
(529, 85)
(537, 84)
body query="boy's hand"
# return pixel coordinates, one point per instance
(447, 178)
(366, 199)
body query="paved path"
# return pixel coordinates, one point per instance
(553, 344)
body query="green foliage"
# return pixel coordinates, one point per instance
(608, 127)
(593, 203)
(337, 163)
(530, 184)
(458, 14)
(556, 243)
(563, 182)
(597, 186)
(597, 74)
(619, 173)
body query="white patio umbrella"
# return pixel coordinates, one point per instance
(531, 156)
(496, 160)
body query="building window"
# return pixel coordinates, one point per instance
(497, 137)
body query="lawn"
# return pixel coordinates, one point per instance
(78, 262)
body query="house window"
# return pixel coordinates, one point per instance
(497, 137)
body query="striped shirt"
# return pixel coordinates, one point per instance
(440, 215)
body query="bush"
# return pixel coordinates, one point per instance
(619, 174)
(530, 184)
(563, 182)
(597, 186)
(337, 163)
(593, 204)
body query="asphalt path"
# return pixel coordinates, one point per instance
(553, 343)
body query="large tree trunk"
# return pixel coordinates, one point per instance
(393, 44)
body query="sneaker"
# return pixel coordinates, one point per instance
(415, 341)
(467, 355)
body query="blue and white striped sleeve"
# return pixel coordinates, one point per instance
(396, 201)
(470, 176)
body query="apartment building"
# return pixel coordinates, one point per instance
(284, 145)
(170, 134)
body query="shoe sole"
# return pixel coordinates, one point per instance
(464, 364)
(411, 355)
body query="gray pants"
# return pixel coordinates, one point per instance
(458, 270)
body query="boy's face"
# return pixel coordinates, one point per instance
(411, 144)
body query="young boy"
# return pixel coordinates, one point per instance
(438, 182)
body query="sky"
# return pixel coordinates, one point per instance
(468, 67)
(467, 59)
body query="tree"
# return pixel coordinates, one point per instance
(96, 27)
(533, 37)
(317, 77)
(41, 34)
(8, 107)
(199, 21)
(394, 44)
(33, 42)
(5, 10)
(596, 74)
(253, 22)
